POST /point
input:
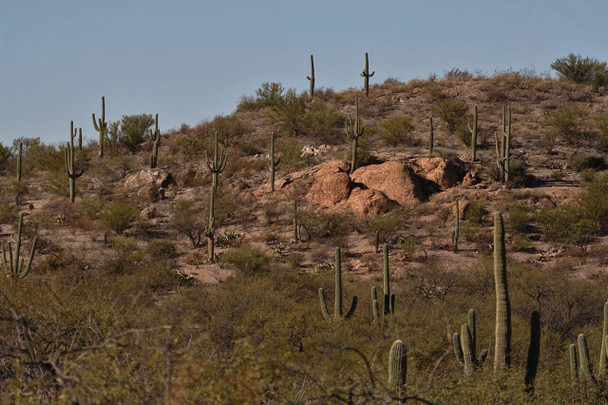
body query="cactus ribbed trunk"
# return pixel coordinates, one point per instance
(431, 140)
(533, 351)
(573, 362)
(502, 350)
(456, 231)
(102, 126)
(603, 354)
(388, 309)
(508, 148)
(397, 368)
(312, 77)
(338, 280)
(19, 157)
(210, 229)
(366, 75)
(585, 372)
(474, 135)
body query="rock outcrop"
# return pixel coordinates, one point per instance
(396, 180)
(331, 185)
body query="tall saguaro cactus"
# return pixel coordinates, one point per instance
(456, 231)
(338, 295)
(69, 163)
(533, 351)
(19, 158)
(14, 267)
(102, 126)
(473, 130)
(503, 147)
(584, 371)
(502, 350)
(354, 133)
(312, 77)
(216, 166)
(431, 140)
(389, 299)
(155, 137)
(366, 75)
(603, 352)
(397, 368)
(272, 164)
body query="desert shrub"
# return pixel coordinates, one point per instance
(229, 128)
(582, 70)
(593, 202)
(452, 112)
(386, 224)
(290, 152)
(476, 212)
(397, 130)
(192, 146)
(161, 250)
(322, 224)
(567, 224)
(118, 216)
(568, 122)
(289, 111)
(247, 258)
(584, 161)
(90, 206)
(186, 220)
(519, 217)
(323, 122)
(457, 74)
(601, 140)
(518, 173)
(132, 130)
(268, 95)
(7, 213)
(5, 156)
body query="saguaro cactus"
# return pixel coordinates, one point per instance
(338, 295)
(272, 164)
(502, 350)
(155, 137)
(366, 75)
(354, 133)
(503, 146)
(465, 345)
(573, 362)
(296, 226)
(456, 231)
(80, 139)
(533, 351)
(389, 299)
(585, 372)
(397, 368)
(19, 158)
(210, 230)
(217, 165)
(69, 163)
(603, 354)
(102, 126)
(14, 267)
(312, 77)
(431, 140)
(473, 130)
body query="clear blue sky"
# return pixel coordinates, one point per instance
(191, 60)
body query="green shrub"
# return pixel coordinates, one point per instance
(519, 218)
(386, 224)
(290, 152)
(90, 206)
(133, 130)
(192, 146)
(118, 216)
(186, 220)
(584, 161)
(322, 224)
(161, 250)
(324, 122)
(518, 173)
(229, 239)
(247, 258)
(568, 122)
(476, 212)
(397, 130)
(582, 70)
(268, 95)
(229, 128)
(452, 112)
(289, 111)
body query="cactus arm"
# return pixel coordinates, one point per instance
(375, 306)
(338, 286)
(352, 308)
(502, 351)
(324, 305)
(457, 347)
(456, 232)
(471, 323)
(388, 308)
(573, 362)
(431, 140)
(602, 369)
(466, 341)
(585, 365)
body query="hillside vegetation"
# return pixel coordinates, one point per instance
(126, 301)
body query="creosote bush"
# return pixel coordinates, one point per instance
(397, 130)
(118, 216)
(582, 70)
(569, 123)
(452, 112)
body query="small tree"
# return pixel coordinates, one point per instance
(133, 130)
(582, 70)
(118, 217)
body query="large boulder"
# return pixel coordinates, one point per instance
(148, 182)
(331, 185)
(445, 173)
(368, 201)
(395, 180)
